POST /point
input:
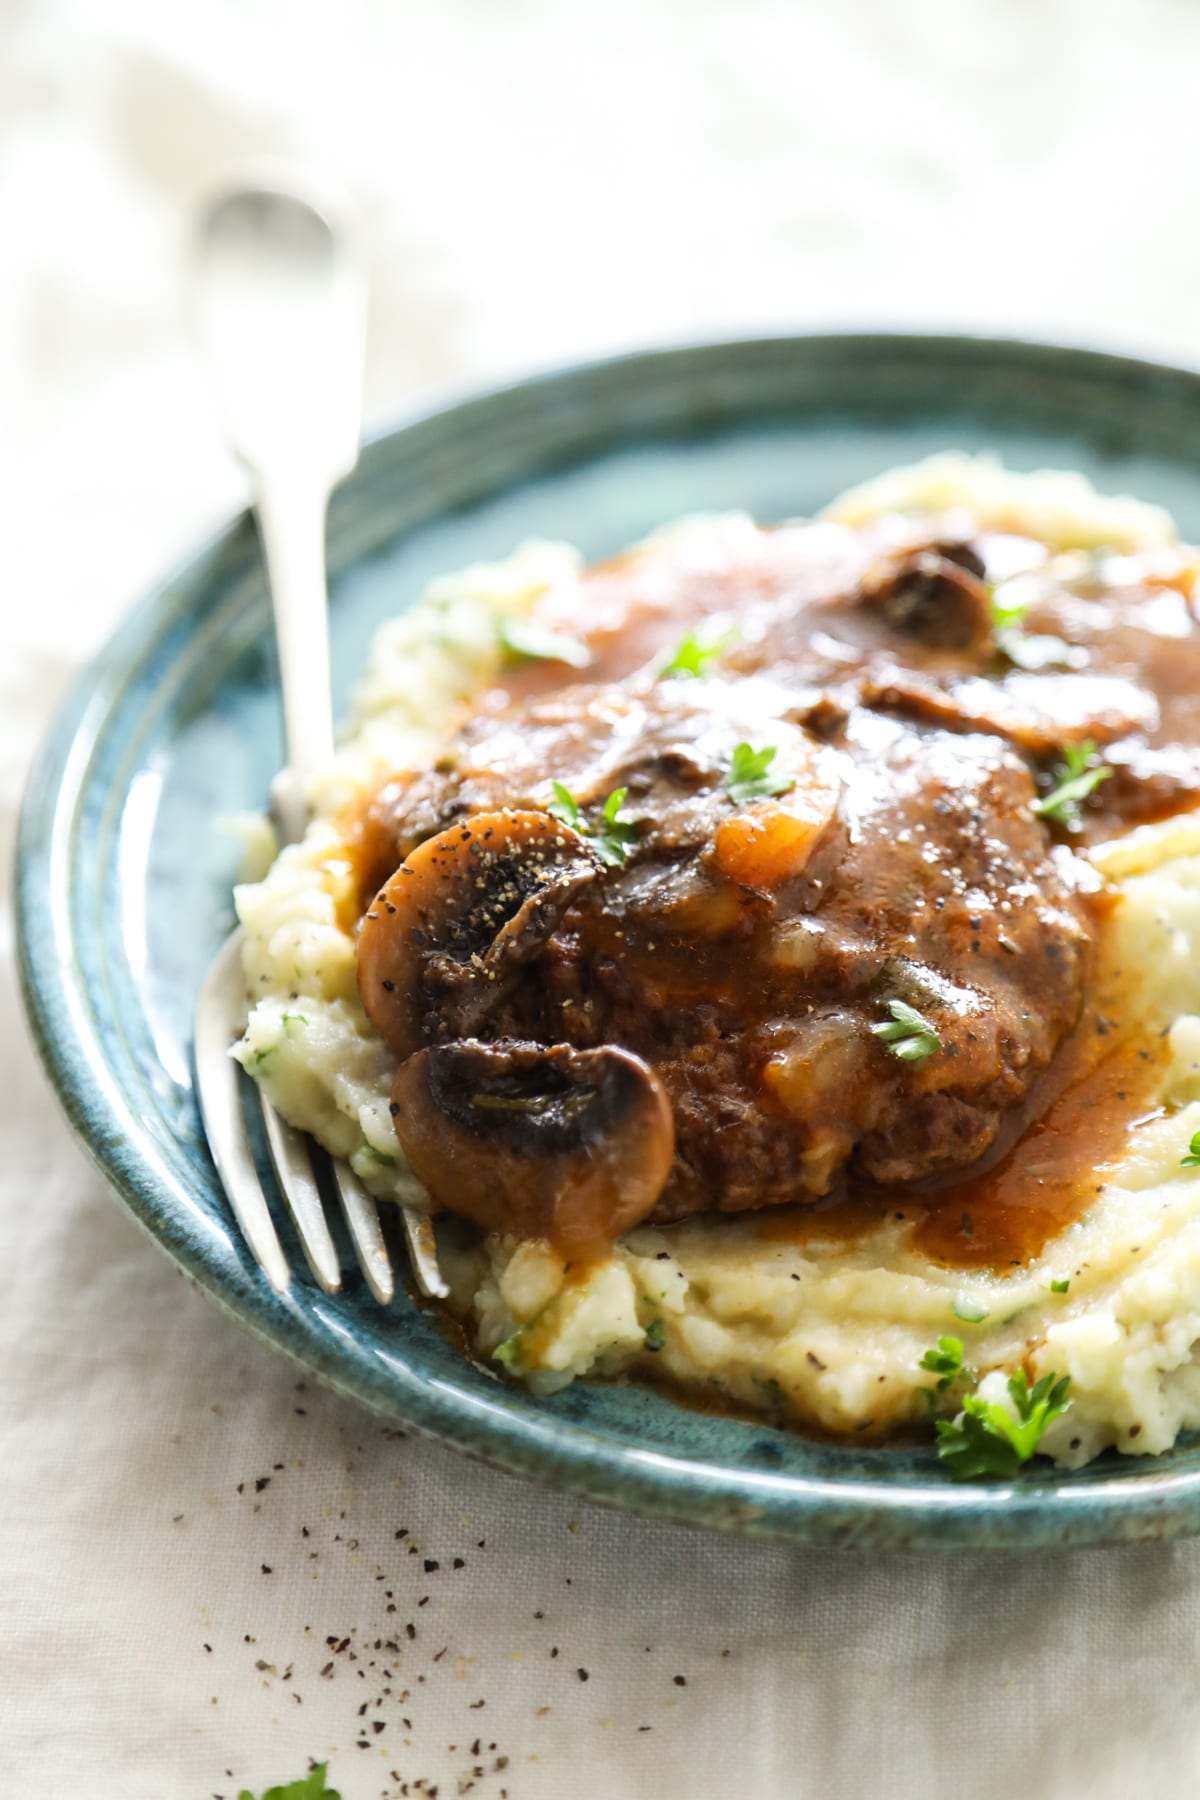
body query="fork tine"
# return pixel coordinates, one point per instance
(220, 1009)
(362, 1222)
(302, 1197)
(217, 1077)
(422, 1251)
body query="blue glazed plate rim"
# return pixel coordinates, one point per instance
(506, 1431)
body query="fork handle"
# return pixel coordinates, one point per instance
(291, 521)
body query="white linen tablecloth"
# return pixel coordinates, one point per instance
(211, 1570)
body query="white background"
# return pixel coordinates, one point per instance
(538, 180)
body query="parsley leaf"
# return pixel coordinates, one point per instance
(509, 1352)
(987, 1440)
(945, 1361)
(1081, 772)
(1063, 1287)
(1192, 1159)
(656, 1335)
(1024, 649)
(611, 837)
(565, 807)
(750, 777)
(524, 640)
(908, 1034)
(615, 834)
(1034, 650)
(257, 1058)
(1005, 614)
(309, 1787)
(367, 1148)
(694, 653)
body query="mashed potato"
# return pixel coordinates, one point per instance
(823, 1331)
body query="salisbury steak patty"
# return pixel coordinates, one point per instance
(743, 939)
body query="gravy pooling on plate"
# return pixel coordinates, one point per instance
(837, 938)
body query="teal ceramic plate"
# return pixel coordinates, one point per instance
(124, 879)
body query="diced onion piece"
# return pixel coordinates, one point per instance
(770, 841)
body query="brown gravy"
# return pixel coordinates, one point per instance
(1141, 646)
(1044, 1174)
(1052, 1174)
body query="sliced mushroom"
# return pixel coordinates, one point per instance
(1038, 713)
(570, 1145)
(933, 595)
(444, 942)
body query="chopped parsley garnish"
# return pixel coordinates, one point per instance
(612, 841)
(309, 1787)
(1081, 772)
(1005, 616)
(987, 1440)
(367, 1148)
(694, 653)
(750, 775)
(611, 837)
(908, 1034)
(1024, 649)
(656, 1335)
(1062, 1287)
(969, 1311)
(1192, 1159)
(524, 640)
(509, 1352)
(945, 1361)
(1032, 651)
(565, 807)
(257, 1058)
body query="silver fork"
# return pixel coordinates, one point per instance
(282, 310)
